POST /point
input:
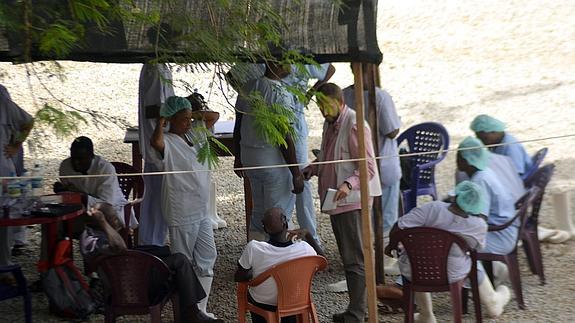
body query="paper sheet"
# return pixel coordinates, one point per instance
(328, 203)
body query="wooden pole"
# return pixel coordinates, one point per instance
(365, 209)
(377, 210)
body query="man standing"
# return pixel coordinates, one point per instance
(340, 142)
(271, 187)
(15, 126)
(155, 88)
(259, 256)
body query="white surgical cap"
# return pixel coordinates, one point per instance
(173, 105)
(477, 157)
(485, 123)
(470, 197)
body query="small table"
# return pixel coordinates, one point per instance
(49, 225)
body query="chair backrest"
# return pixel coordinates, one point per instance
(129, 184)
(293, 279)
(522, 206)
(539, 179)
(428, 251)
(420, 138)
(128, 277)
(536, 160)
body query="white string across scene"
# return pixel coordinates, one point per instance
(293, 165)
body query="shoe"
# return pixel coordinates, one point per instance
(339, 287)
(343, 317)
(201, 317)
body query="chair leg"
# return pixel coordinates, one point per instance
(313, 314)
(409, 314)
(109, 316)
(465, 300)
(455, 292)
(156, 314)
(476, 298)
(27, 308)
(529, 253)
(515, 277)
(536, 256)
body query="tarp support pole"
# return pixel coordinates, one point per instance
(367, 242)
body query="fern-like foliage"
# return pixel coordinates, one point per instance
(64, 123)
(272, 122)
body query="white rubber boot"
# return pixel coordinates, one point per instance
(500, 273)
(217, 222)
(391, 266)
(425, 308)
(563, 219)
(494, 301)
(206, 283)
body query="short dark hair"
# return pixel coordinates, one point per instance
(331, 90)
(83, 143)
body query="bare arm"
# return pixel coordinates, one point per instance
(157, 139)
(290, 158)
(328, 75)
(242, 274)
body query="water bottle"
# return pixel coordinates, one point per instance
(37, 173)
(14, 189)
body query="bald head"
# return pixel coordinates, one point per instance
(274, 221)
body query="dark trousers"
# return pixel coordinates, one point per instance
(347, 231)
(258, 319)
(189, 289)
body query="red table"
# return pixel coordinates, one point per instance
(50, 223)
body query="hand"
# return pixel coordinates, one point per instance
(300, 233)
(11, 150)
(97, 215)
(298, 182)
(162, 122)
(342, 192)
(238, 164)
(388, 250)
(307, 173)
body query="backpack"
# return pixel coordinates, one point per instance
(68, 292)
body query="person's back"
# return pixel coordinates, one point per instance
(436, 214)
(516, 151)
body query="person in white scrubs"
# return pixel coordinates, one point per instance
(185, 196)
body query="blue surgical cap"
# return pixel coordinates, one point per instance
(470, 197)
(173, 105)
(485, 123)
(477, 157)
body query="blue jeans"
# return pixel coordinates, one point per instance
(271, 187)
(305, 209)
(389, 205)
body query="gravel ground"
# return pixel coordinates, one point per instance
(443, 61)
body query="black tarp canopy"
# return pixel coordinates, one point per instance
(329, 30)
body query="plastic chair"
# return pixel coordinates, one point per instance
(536, 160)
(510, 259)
(21, 289)
(428, 250)
(529, 237)
(293, 279)
(423, 137)
(127, 282)
(133, 185)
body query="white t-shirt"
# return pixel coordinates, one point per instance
(185, 196)
(387, 122)
(12, 118)
(261, 256)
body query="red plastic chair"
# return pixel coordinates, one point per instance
(293, 279)
(510, 259)
(21, 289)
(126, 280)
(428, 250)
(130, 185)
(423, 137)
(529, 237)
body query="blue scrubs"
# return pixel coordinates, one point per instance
(516, 152)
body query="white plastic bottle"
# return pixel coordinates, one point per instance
(37, 181)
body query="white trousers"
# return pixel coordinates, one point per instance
(196, 241)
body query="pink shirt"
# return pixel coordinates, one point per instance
(328, 178)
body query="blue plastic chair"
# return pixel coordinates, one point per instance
(9, 291)
(423, 137)
(536, 161)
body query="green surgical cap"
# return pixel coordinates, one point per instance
(470, 197)
(173, 105)
(485, 123)
(475, 157)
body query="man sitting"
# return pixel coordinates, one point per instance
(83, 161)
(101, 237)
(259, 256)
(463, 218)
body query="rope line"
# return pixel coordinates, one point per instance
(296, 164)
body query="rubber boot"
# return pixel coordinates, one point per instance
(339, 287)
(562, 213)
(206, 283)
(217, 222)
(494, 301)
(425, 308)
(500, 273)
